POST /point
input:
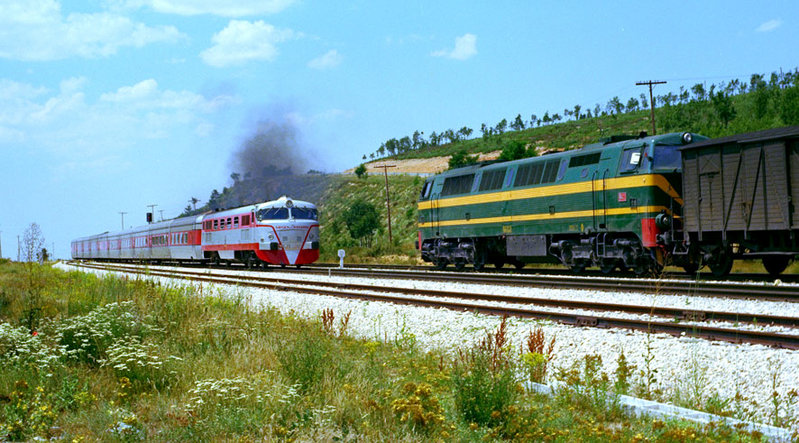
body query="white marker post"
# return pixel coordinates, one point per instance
(341, 255)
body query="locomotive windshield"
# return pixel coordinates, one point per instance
(667, 158)
(273, 214)
(304, 213)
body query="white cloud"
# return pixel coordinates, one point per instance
(328, 60)
(64, 122)
(465, 47)
(38, 31)
(227, 8)
(769, 26)
(242, 41)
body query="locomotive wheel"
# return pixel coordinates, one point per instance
(776, 264)
(607, 266)
(577, 268)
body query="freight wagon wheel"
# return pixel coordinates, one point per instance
(459, 265)
(440, 263)
(479, 264)
(518, 264)
(721, 264)
(498, 263)
(690, 268)
(776, 264)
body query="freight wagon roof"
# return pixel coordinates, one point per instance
(749, 137)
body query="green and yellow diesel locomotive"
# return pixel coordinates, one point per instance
(612, 204)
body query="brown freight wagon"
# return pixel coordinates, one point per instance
(739, 196)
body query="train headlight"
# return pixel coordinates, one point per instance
(687, 137)
(289, 203)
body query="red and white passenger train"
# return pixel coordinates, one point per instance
(280, 232)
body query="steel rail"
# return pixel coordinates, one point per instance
(346, 291)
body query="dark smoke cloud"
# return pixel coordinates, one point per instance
(273, 149)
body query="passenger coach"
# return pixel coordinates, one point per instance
(281, 232)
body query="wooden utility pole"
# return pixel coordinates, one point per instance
(388, 198)
(651, 100)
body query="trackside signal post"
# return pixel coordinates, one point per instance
(388, 199)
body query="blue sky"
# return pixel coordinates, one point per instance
(113, 105)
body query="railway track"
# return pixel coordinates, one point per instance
(764, 291)
(677, 322)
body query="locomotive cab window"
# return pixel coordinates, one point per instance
(667, 158)
(631, 159)
(425, 194)
(273, 214)
(304, 213)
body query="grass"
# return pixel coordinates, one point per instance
(117, 359)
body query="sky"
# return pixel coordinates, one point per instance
(108, 106)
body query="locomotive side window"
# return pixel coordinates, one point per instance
(583, 160)
(492, 179)
(551, 171)
(457, 185)
(631, 159)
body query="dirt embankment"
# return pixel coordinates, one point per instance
(432, 165)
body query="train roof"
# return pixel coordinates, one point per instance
(749, 137)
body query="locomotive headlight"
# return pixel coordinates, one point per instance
(687, 137)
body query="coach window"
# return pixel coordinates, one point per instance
(229, 222)
(631, 159)
(235, 222)
(216, 224)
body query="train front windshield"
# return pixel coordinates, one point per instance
(284, 213)
(304, 213)
(273, 214)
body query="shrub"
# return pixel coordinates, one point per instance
(86, 338)
(20, 349)
(484, 380)
(139, 362)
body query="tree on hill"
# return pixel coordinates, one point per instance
(514, 150)
(722, 104)
(789, 111)
(461, 159)
(360, 171)
(501, 126)
(518, 123)
(362, 221)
